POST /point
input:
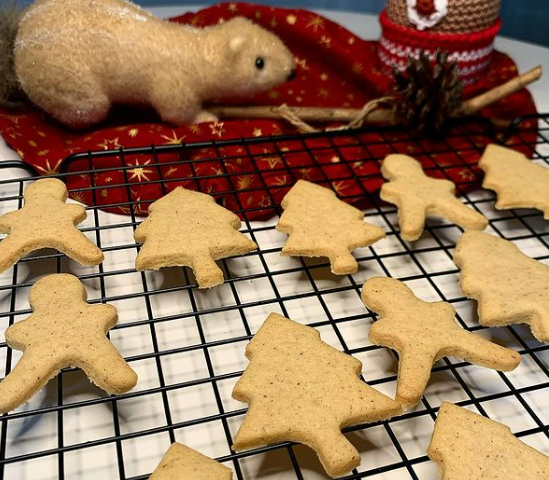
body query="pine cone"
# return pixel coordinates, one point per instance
(427, 95)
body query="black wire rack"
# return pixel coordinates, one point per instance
(187, 345)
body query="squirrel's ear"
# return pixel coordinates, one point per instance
(236, 44)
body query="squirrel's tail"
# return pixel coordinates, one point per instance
(11, 93)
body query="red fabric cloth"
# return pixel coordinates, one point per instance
(334, 69)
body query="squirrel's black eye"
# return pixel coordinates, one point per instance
(259, 63)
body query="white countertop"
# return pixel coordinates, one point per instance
(526, 55)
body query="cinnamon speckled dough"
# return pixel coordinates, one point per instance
(422, 333)
(184, 463)
(518, 182)
(188, 229)
(509, 286)
(467, 446)
(300, 389)
(417, 196)
(63, 331)
(46, 221)
(321, 225)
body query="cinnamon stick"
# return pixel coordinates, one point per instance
(379, 116)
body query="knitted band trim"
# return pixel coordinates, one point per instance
(473, 51)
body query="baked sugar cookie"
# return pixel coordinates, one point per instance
(423, 333)
(63, 331)
(509, 286)
(188, 229)
(418, 196)
(46, 221)
(321, 225)
(467, 446)
(184, 463)
(300, 389)
(518, 182)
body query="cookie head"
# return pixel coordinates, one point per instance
(59, 289)
(395, 166)
(257, 59)
(46, 187)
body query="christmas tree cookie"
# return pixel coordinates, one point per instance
(518, 182)
(188, 229)
(321, 225)
(418, 196)
(63, 331)
(300, 389)
(422, 333)
(46, 221)
(184, 463)
(468, 446)
(509, 286)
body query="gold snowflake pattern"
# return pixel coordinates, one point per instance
(357, 67)
(170, 171)
(322, 92)
(272, 161)
(339, 187)
(257, 132)
(43, 153)
(104, 193)
(133, 132)
(325, 41)
(301, 62)
(79, 197)
(195, 129)
(291, 19)
(232, 7)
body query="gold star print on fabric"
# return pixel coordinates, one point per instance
(423, 333)
(291, 19)
(48, 169)
(174, 139)
(110, 144)
(63, 331)
(417, 196)
(315, 23)
(140, 173)
(467, 446)
(509, 286)
(300, 389)
(184, 463)
(46, 221)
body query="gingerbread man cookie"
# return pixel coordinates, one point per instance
(422, 333)
(63, 331)
(321, 225)
(418, 196)
(518, 182)
(46, 221)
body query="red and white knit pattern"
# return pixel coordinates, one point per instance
(472, 51)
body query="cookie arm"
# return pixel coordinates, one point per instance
(77, 246)
(6, 221)
(456, 212)
(106, 368)
(12, 250)
(482, 352)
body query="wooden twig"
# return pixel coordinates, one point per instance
(380, 115)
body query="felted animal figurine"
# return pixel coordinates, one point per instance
(75, 59)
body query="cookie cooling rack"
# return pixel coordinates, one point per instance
(187, 345)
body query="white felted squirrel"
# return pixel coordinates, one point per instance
(75, 58)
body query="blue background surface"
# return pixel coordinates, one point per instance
(523, 19)
(526, 19)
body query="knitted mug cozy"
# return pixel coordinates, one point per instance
(466, 29)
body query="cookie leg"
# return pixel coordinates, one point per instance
(106, 368)
(414, 371)
(343, 262)
(28, 377)
(80, 248)
(482, 352)
(411, 219)
(460, 214)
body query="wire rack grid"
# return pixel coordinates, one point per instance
(187, 345)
